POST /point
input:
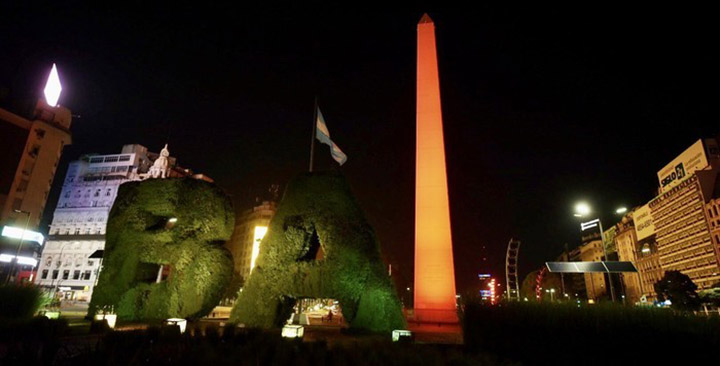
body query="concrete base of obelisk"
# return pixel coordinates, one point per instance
(434, 316)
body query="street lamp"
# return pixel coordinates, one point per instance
(17, 253)
(552, 294)
(582, 209)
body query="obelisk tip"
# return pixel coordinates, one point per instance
(425, 19)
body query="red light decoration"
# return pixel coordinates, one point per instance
(434, 268)
(538, 284)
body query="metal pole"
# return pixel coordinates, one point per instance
(17, 253)
(602, 240)
(312, 137)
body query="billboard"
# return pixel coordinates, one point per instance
(692, 159)
(644, 225)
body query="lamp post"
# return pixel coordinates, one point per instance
(582, 209)
(17, 253)
(552, 294)
(52, 282)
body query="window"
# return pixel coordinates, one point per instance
(34, 151)
(66, 274)
(44, 274)
(125, 158)
(86, 275)
(716, 210)
(107, 193)
(97, 193)
(55, 274)
(76, 275)
(90, 263)
(96, 160)
(22, 187)
(111, 159)
(48, 262)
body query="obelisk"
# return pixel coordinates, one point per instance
(434, 269)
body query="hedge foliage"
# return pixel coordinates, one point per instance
(19, 301)
(605, 334)
(319, 206)
(140, 238)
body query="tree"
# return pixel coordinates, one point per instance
(711, 295)
(549, 281)
(679, 289)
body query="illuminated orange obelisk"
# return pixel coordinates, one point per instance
(434, 270)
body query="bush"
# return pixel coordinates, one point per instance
(566, 334)
(31, 341)
(20, 301)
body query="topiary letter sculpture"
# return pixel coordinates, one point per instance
(164, 254)
(319, 245)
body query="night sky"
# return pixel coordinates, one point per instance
(542, 106)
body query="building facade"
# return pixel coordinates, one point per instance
(250, 228)
(72, 257)
(683, 235)
(626, 245)
(648, 266)
(679, 229)
(592, 251)
(32, 143)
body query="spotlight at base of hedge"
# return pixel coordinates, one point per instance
(293, 331)
(401, 334)
(52, 314)
(182, 323)
(110, 318)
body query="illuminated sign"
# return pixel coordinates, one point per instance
(644, 225)
(53, 87)
(20, 260)
(260, 232)
(25, 235)
(691, 160)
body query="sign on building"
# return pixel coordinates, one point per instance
(691, 160)
(644, 225)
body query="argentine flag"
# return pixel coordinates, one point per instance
(322, 134)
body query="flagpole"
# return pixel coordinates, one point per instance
(312, 138)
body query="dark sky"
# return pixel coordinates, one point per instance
(542, 106)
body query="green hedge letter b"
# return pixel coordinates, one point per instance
(164, 254)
